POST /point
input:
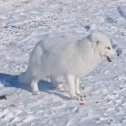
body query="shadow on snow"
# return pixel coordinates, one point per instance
(12, 81)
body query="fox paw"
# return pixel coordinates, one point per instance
(81, 95)
(36, 93)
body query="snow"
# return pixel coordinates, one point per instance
(22, 24)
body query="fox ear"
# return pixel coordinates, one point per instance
(92, 37)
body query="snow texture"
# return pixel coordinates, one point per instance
(22, 24)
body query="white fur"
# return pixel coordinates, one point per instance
(59, 55)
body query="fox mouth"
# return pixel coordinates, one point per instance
(108, 59)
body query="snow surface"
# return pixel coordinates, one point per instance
(22, 24)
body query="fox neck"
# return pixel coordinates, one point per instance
(97, 55)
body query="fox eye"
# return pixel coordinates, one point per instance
(108, 48)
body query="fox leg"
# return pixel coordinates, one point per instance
(34, 86)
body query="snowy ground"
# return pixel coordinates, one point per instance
(23, 24)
